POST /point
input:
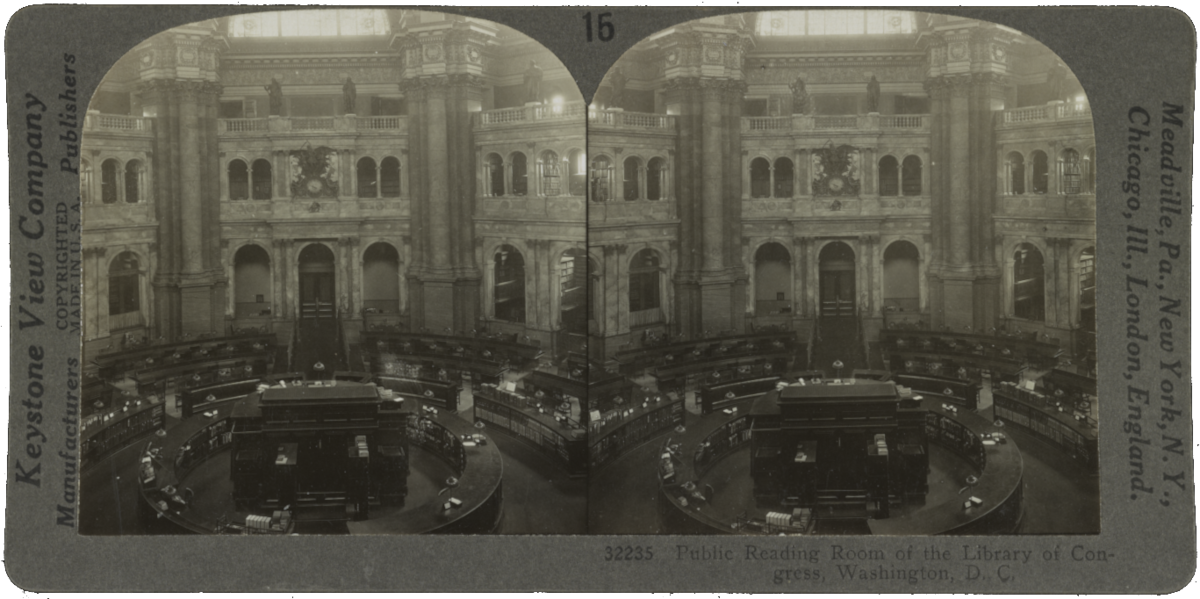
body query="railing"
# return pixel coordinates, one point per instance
(558, 111)
(504, 115)
(313, 123)
(650, 121)
(835, 122)
(1049, 112)
(634, 120)
(245, 125)
(769, 123)
(906, 121)
(116, 122)
(852, 122)
(376, 123)
(539, 112)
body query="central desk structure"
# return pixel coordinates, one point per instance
(686, 503)
(328, 452)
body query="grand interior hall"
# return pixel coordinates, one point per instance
(375, 271)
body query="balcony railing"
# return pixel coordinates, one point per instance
(245, 125)
(849, 122)
(630, 120)
(539, 112)
(117, 122)
(278, 124)
(313, 124)
(835, 122)
(1057, 111)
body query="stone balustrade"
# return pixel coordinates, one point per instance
(393, 125)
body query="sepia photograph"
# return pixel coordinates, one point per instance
(600, 298)
(334, 280)
(844, 269)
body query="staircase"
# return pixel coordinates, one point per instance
(837, 338)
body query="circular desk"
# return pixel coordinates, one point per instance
(199, 440)
(998, 470)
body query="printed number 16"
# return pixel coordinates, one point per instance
(604, 28)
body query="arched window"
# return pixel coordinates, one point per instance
(633, 174)
(602, 175)
(901, 277)
(1029, 301)
(644, 286)
(772, 280)
(124, 286)
(520, 177)
(389, 177)
(260, 176)
(760, 178)
(509, 287)
(109, 184)
(239, 180)
(1041, 172)
(493, 168)
(572, 276)
(551, 174)
(1070, 172)
(85, 181)
(381, 279)
(785, 176)
(577, 165)
(133, 179)
(910, 176)
(656, 178)
(367, 185)
(1015, 178)
(1089, 171)
(889, 176)
(251, 282)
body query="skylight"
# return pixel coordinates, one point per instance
(311, 23)
(835, 22)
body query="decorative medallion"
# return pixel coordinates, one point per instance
(433, 52)
(712, 54)
(472, 54)
(998, 52)
(958, 51)
(672, 57)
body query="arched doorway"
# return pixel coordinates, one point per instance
(1029, 287)
(251, 282)
(317, 295)
(772, 280)
(901, 277)
(837, 280)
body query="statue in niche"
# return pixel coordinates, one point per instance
(1056, 82)
(873, 95)
(801, 102)
(617, 81)
(275, 94)
(533, 83)
(349, 96)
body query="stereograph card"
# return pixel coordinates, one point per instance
(600, 299)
